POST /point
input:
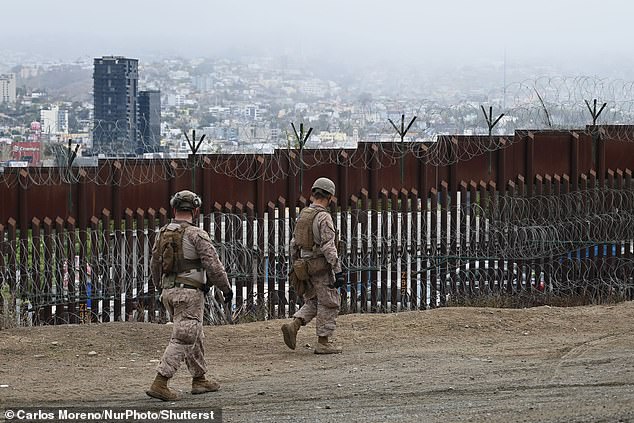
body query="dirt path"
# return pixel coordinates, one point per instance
(453, 364)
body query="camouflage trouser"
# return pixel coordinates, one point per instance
(321, 301)
(186, 308)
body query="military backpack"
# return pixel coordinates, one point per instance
(171, 249)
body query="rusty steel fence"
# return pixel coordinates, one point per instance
(401, 249)
(117, 184)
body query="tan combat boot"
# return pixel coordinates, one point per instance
(325, 347)
(289, 330)
(160, 390)
(200, 385)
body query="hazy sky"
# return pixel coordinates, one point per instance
(578, 31)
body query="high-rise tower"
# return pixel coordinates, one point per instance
(115, 129)
(149, 121)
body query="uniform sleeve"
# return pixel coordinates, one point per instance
(155, 264)
(328, 241)
(216, 274)
(294, 250)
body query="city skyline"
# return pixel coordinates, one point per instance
(241, 71)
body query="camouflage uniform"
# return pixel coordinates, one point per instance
(186, 305)
(322, 299)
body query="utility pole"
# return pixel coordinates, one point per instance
(194, 146)
(402, 132)
(504, 82)
(491, 124)
(301, 140)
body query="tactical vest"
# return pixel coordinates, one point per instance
(304, 235)
(305, 267)
(173, 261)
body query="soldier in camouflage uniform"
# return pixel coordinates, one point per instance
(183, 294)
(314, 244)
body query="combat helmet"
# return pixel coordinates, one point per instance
(185, 200)
(324, 184)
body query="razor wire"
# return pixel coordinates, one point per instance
(575, 243)
(547, 103)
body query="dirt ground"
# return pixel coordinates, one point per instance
(453, 364)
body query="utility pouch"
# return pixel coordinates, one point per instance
(317, 265)
(300, 268)
(168, 281)
(299, 286)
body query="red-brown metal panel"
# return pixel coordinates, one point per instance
(236, 178)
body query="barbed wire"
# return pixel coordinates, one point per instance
(547, 103)
(569, 243)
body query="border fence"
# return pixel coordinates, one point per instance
(466, 230)
(119, 183)
(401, 251)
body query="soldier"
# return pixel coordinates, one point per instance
(317, 270)
(182, 258)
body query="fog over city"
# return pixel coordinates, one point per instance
(580, 36)
(243, 71)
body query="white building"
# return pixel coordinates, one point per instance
(332, 137)
(7, 88)
(180, 100)
(54, 120)
(220, 112)
(252, 112)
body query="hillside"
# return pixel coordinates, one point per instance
(70, 83)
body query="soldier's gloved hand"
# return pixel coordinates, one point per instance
(228, 296)
(339, 280)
